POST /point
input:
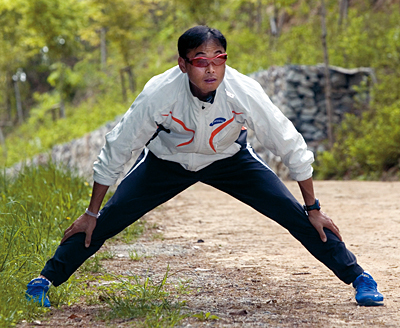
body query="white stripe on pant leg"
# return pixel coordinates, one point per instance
(146, 151)
(252, 153)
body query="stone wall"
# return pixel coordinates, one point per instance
(79, 154)
(297, 90)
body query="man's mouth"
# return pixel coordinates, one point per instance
(210, 80)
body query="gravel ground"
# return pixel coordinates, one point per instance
(248, 271)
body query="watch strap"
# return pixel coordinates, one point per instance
(315, 206)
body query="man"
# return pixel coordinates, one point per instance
(192, 120)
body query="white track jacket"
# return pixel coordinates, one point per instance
(198, 133)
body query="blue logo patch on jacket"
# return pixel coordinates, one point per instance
(218, 120)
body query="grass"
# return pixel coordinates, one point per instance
(36, 206)
(92, 265)
(150, 302)
(134, 256)
(35, 209)
(131, 233)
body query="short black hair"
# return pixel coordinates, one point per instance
(196, 36)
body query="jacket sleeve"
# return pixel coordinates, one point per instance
(278, 134)
(130, 134)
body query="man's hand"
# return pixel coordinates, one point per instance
(320, 221)
(85, 223)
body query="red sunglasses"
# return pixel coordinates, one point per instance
(204, 61)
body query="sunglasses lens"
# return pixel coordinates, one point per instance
(200, 62)
(219, 61)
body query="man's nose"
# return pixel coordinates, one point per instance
(210, 68)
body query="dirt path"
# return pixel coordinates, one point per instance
(251, 273)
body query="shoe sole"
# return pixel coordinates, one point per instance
(370, 302)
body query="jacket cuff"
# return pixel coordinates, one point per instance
(302, 176)
(104, 181)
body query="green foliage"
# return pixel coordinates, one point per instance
(54, 23)
(143, 35)
(72, 81)
(137, 298)
(134, 256)
(366, 146)
(106, 255)
(35, 208)
(92, 265)
(42, 132)
(205, 316)
(131, 233)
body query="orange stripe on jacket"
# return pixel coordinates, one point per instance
(184, 126)
(216, 131)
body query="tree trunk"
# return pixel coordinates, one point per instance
(2, 140)
(328, 87)
(103, 48)
(272, 24)
(131, 80)
(121, 73)
(281, 20)
(62, 103)
(259, 16)
(9, 92)
(18, 102)
(343, 9)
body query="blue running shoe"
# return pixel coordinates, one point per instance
(367, 293)
(37, 291)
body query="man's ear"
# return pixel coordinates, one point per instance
(182, 64)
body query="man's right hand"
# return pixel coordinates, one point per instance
(85, 223)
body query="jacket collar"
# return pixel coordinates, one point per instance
(196, 102)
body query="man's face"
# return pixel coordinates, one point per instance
(204, 80)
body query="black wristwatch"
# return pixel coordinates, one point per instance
(314, 206)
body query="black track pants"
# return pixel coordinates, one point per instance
(153, 181)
